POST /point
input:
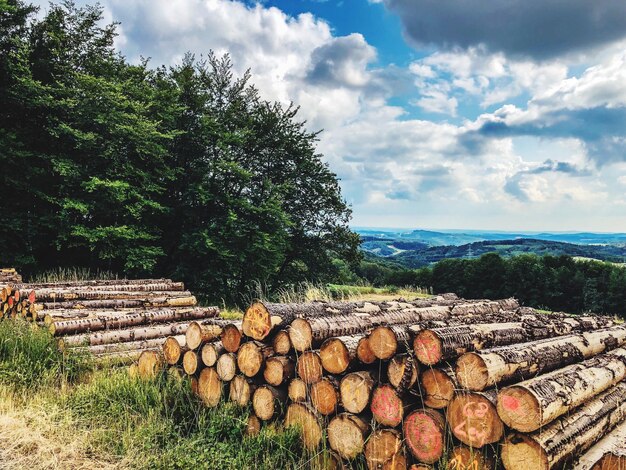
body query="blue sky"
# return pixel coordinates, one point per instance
(499, 114)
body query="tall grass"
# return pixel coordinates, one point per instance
(71, 274)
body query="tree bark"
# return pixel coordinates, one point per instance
(530, 405)
(347, 434)
(424, 434)
(569, 436)
(129, 346)
(482, 369)
(146, 302)
(402, 372)
(609, 453)
(473, 418)
(301, 416)
(93, 283)
(78, 295)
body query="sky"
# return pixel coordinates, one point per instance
(456, 114)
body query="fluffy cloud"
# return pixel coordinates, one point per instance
(538, 29)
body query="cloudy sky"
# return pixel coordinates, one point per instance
(499, 114)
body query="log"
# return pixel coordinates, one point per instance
(111, 320)
(402, 372)
(92, 282)
(281, 343)
(297, 390)
(226, 367)
(364, 352)
(386, 341)
(241, 390)
(121, 336)
(397, 462)
(278, 370)
(338, 354)
(355, 390)
(202, 332)
(382, 446)
(482, 369)
(560, 441)
(78, 296)
(120, 347)
(231, 337)
(387, 406)
(609, 453)
(150, 364)
(193, 385)
(301, 416)
(325, 396)
(473, 418)
(439, 385)
(253, 426)
(268, 402)
(347, 434)
(530, 405)
(191, 362)
(210, 352)
(173, 349)
(326, 460)
(309, 367)
(209, 387)
(306, 333)
(120, 358)
(466, 458)
(424, 434)
(251, 357)
(148, 302)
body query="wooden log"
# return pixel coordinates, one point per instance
(253, 426)
(532, 404)
(482, 369)
(386, 341)
(65, 290)
(424, 434)
(473, 418)
(147, 302)
(210, 353)
(278, 370)
(569, 436)
(173, 349)
(364, 352)
(92, 283)
(309, 367)
(387, 406)
(338, 354)
(268, 402)
(281, 343)
(355, 390)
(306, 333)
(325, 396)
(402, 372)
(609, 453)
(302, 416)
(191, 362)
(120, 347)
(382, 446)
(121, 336)
(326, 460)
(231, 336)
(251, 357)
(111, 320)
(466, 458)
(297, 390)
(71, 295)
(150, 364)
(120, 358)
(241, 390)
(202, 332)
(176, 373)
(347, 434)
(226, 367)
(209, 387)
(193, 385)
(439, 385)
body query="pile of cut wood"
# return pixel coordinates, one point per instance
(115, 320)
(400, 383)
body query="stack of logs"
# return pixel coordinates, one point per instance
(444, 381)
(14, 300)
(115, 320)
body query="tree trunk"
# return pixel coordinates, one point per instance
(530, 405)
(338, 354)
(325, 396)
(93, 283)
(567, 437)
(467, 458)
(241, 390)
(347, 434)
(355, 390)
(121, 336)
(268, 402)
(146, 302)
(281, 343)
(205, 331)
(473, 418)
(309, 367)
(209, 387)
(253, 426)
(301, 416)
(210, 353)
(77, 296)
(439, 385)
(191, 362)
(608, 454)
(226, 367)
(278, 370)
(121, 358)
(386, 341)
(382, 446)
(173, 349)
(480, 370)
(387, 406)
(251, 357)
(402, 372)
(150, 364)
(129, 346)
(231, 336)
(141, 317)
(297, 390)
(424, 434)
(364, 352)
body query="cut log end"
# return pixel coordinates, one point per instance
(427, 347)
(278, 370)
(297, 390)
(474, 420)
(347, 434)
(519, 452)
(250, 359)
(172, 351)
(300, 416)
(324, 397)
(256, 322)
(424, 435)
(463, 457)
(209, 387)
(193, 335)
(190, 362)
(610, 462)
(150, 364)
(383, 342)
(253, 426)
(310, 367)
(240, 391)
(335, 356)
(231, 338)
(438, 388)
(471, 372)
(301, 335)
(382, 446)
(387, 407)
(209, 354)
(226, 367)
(519, 409)
(355, 390)
(281, 343)
(402, 372)
(364, 352)
(264, 403)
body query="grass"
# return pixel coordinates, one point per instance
(71, 274)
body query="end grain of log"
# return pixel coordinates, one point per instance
(439, 385)
(402, 372)
(387, 407)
(150, 364)
(173, 351)
(309, 367)
(382, 446)
(325, 396)
(210, 352)
(241, 390)
(278, 370)
(474, 420)
(209, 387)
(303, 417)
(347, 434)
(424, 434)
(253, 426)
(226, 367)
(251, 357)
(191, 362)
(355, 390)
(281, 343)
(231, 337)
(297, 390)
(267, 402)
